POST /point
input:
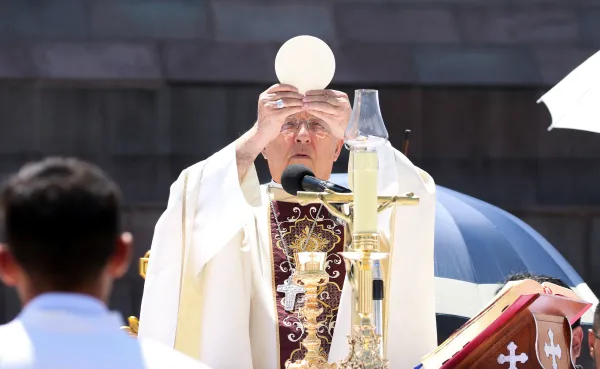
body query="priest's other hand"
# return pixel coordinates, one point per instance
(274, 105)
(332, 106)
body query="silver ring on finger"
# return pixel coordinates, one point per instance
(279, 104)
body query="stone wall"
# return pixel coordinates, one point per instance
(491, 42)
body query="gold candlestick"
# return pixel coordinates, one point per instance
(310, 273)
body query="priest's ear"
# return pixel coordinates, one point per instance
(9, 270)
(121, 258)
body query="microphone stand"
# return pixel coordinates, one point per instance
(378, 303)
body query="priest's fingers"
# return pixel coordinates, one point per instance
(322, 107)
(323, 98)
(284, 94)
(335, 93)
(279, 87)
(284, 103)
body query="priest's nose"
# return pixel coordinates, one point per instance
(303, 136)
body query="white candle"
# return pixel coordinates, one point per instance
(364, 182)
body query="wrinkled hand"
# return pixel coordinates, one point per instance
(270, 116)
(332, 106)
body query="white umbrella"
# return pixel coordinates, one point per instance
(574, 102)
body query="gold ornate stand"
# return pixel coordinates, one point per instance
(311, 274)
(134, 324)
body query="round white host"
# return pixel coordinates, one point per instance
(305, 62)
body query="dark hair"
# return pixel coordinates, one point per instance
(61, 221)
(540, 278)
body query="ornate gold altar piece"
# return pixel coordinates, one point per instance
(365, 134)
(311, 274)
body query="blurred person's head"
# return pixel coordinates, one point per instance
(594, 338)
(575, 327)
(61, 220)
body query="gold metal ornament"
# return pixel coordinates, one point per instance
(311, 274)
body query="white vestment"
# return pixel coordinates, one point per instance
(71, 331)
(209, 289)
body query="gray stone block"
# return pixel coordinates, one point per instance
(565, 143)
(219, 62)
(555, 63)
(131, 121)
(277, 22)
(568, 182)
(520, 24)
(506, 183)
(199, 120)
(154, 19)
(34, 19)
(97, 61)
(394, 23)
(362, 62)
(480, 66)
(12, 305)
(589, 25)
(19, 130)
(16, 62)
(121, 298)
(567, 235)
(140, 220)
(594, 247)
(142, 178)
(71, 121)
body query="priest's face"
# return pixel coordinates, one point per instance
(304, 139)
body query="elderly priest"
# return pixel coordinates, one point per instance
(218, 284)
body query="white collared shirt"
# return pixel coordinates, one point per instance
(73, 331)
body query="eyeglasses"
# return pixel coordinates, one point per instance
(595, 334)
(311, 126)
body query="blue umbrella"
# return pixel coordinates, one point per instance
(477, 245)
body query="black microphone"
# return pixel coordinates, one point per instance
(298, 177)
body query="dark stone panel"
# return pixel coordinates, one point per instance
(245, 21)
(589, 25)
(565, 143)
(12, 305)
(567, 235)
(18, 123)
(506, 183)
(131, 118)
(369, 63)
(150, 19)
(475, 66)
(140, 221)
(142, 178)
(555, 62)
(594, 258)
(219, 62)
(568, 182)
(96, 61)
(376, 22)
(199, 120)
(34, 19)
(121, 298)
(518, 24)
(16, 62)
(72, 121)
